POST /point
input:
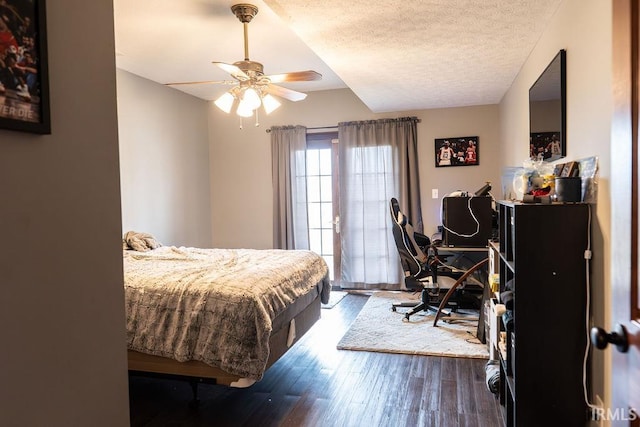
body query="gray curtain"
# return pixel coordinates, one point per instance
(378, 160)
(288, 170)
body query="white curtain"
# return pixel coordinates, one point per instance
(288, 170)
(378, 160)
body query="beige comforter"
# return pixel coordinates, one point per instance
(215, 305)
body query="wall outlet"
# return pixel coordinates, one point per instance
(434, 193)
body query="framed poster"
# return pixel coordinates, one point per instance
(458, 151)
(24, 75)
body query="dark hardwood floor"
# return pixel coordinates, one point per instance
(315, 384)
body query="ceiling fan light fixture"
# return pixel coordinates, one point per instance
(252, 87)
(250, 98)
(225, 102)
(270, 104)
(244, 110)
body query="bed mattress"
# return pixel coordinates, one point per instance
(217, 306)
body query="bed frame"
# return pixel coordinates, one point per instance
(198, 372)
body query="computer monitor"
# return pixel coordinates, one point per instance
(467, 221)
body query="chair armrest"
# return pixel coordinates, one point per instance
(421, 240)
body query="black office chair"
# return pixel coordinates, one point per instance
(420, 263)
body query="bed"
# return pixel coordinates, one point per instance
(220, 315)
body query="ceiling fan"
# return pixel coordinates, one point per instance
(252, 88)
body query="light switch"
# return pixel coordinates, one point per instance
(434, 193)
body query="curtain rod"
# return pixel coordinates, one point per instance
(314, 128)
(336, 126)
(324, 127)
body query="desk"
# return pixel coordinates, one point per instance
(462, 249)
(479, 255)
(461, 258)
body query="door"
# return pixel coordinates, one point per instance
(323, 200)
(625, 187)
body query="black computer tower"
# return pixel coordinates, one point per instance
(459, 226)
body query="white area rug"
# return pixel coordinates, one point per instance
(334, 298)
(378, 328)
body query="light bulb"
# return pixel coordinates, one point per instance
(269, 103)
(244, 110)
(251, 98)
(225, 102)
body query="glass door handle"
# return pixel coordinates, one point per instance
(336, 223)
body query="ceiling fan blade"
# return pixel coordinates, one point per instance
(233, 70)
(207, 82)
(285, 93)
(297, 76)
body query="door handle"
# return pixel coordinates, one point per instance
(600, 338)
(336, 223)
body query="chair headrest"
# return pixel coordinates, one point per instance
(401, 219)
(394, 206)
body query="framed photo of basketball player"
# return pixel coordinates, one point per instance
(24, 73)
(458, 151)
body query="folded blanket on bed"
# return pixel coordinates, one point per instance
(215, 305)
(141, 242)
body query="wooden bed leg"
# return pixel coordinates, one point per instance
(194, 388)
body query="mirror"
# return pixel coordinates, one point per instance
(547, 112)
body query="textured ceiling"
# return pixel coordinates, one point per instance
(394, 55)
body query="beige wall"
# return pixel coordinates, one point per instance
(241, 160)
(62, 331)
(240, 167)
(481, 121)
(241, 192)
(164, 156)
(583, 28)
(61, 299)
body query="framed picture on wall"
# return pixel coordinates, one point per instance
(458, 151)
(24, 76)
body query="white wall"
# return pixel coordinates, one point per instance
(241, 190)
(62, 331)
(583, 28)
(164, 156)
